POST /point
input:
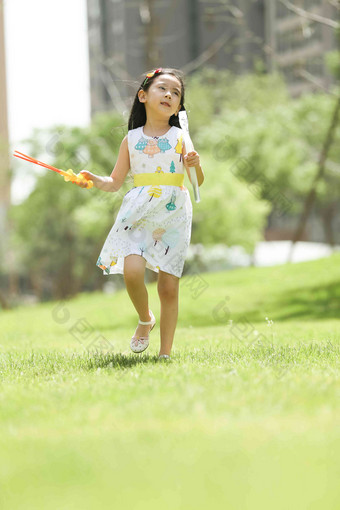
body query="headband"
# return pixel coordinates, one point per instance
(150, 75)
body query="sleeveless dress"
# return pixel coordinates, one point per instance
(154, 221)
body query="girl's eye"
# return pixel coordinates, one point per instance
(177, 94)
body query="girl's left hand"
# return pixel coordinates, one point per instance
(191, 159)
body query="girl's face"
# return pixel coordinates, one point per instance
(163, 96)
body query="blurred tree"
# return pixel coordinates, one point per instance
(5, 177)
(59, 228)
(265, 137)
(256, 148)
(320, 179)
(228, 213)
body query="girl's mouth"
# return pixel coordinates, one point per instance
(166, 104)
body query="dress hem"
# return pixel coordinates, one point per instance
(149, 265)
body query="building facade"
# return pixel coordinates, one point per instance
(300, 33)
(129, 37)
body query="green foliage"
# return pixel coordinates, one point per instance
(332, 59)
(212, 95)
(59, 228)
(259, 151)
(229, 212)
(278, 138)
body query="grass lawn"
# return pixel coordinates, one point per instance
(244, 417)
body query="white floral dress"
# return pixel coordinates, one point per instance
(154, 221)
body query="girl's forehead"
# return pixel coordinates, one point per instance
(169, 79)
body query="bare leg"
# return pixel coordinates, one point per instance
(134, 269)
(168, 286)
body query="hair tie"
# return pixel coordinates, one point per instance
(150, 75)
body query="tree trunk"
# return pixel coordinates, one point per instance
(151, 32)
(327, 216)
(3, 302)
(321, 169)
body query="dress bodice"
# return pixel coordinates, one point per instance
(155, 154)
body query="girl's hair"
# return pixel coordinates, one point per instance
(138, 114)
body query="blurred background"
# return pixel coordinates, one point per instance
(263, 99)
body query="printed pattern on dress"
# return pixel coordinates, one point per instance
(154, 221)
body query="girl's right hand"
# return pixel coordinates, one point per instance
(89, 176)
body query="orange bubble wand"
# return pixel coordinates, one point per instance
(68, 176)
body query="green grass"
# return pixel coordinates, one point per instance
(244, 417)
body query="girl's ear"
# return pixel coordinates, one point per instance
(141, 96)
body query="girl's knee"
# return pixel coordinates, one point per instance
(134, 276)
(168, 293)
(168, 287)
(134, 266)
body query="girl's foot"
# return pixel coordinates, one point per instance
(140, 340)
(164, 356)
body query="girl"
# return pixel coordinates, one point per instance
(153, 225)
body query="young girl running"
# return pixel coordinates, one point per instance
(153, 225)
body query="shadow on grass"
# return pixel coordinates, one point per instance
(120, 363)
(36, 364)
(319, 302)
(120, 360)
(307, 303)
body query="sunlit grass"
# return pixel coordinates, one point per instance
(244, 416)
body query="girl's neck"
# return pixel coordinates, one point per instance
(156, 128)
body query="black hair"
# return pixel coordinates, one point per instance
(138, 113)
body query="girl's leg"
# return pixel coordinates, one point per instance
(168, 286)
(134, 269)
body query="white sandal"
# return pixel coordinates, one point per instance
(142, 343)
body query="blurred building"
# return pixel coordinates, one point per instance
(299, 42)
(126, 38)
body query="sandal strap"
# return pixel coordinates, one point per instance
(148, 322)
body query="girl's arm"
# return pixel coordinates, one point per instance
(118, 175)
(193, 159)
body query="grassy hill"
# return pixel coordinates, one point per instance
(244, 417)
